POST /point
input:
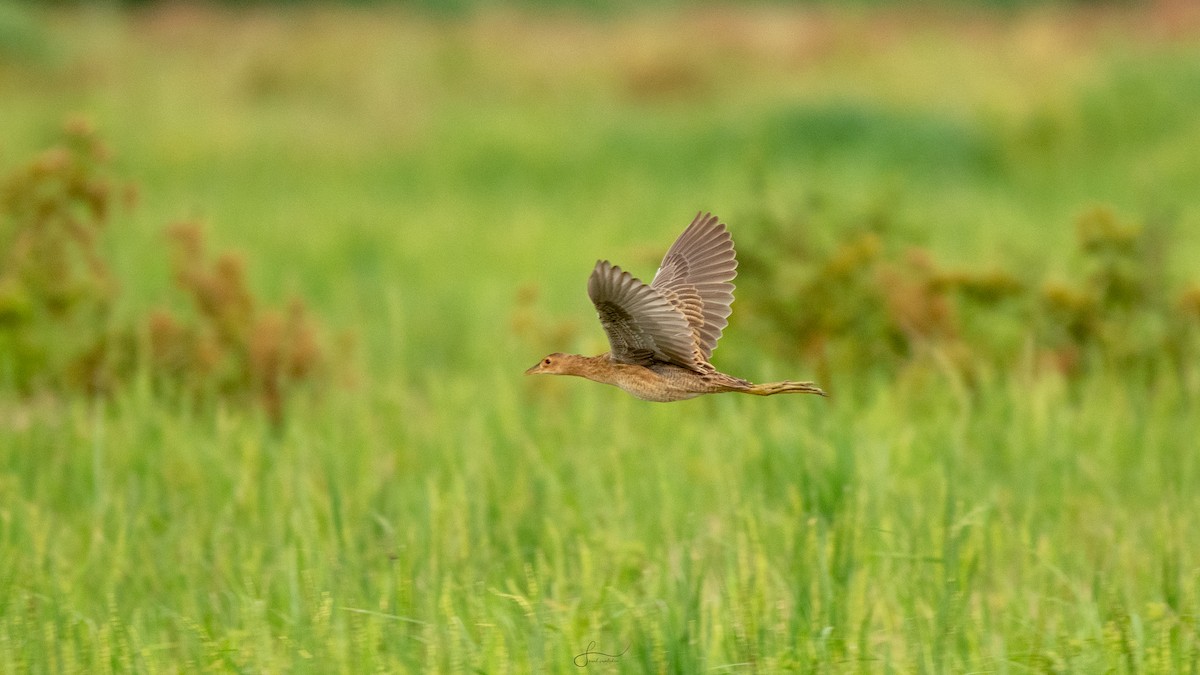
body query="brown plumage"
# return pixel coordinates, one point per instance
(663, 334)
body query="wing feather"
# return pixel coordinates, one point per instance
(642, 324)
(701, 263)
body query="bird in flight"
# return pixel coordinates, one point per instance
(662, 334)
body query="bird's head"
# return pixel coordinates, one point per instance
(554, 364)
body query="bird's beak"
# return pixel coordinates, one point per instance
(537, 368)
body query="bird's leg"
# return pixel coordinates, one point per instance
(785, 387)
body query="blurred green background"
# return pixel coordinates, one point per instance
(975, 224)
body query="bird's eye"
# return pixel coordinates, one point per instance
(546, 362)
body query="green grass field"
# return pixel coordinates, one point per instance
(440, 186)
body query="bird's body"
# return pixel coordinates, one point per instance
(663, 333)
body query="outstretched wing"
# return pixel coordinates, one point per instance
(641, 323)
(697, 271)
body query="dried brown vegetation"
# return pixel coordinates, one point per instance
(232, 346)
(57, 294)
(56, 291)
(857, 306)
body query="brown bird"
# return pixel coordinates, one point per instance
(663, 334)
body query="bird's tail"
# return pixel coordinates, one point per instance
(785, 387)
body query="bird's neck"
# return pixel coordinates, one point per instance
(597, 368)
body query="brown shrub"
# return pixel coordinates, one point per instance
(57, 297)
(233, 346)
(858, 306)
(56, 292)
